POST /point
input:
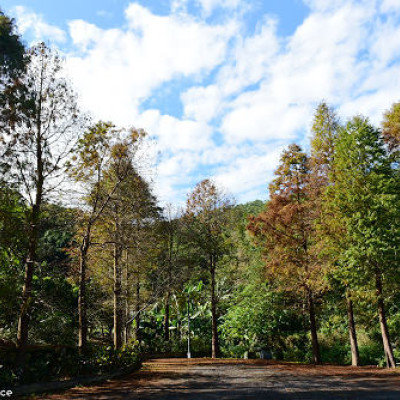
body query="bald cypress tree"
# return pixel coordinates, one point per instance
(286, 233)
(207, 216)
(364, 204)
(325, 129)
(33, 152)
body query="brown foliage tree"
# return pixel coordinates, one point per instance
(285, 231)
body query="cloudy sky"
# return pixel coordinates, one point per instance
(222, 85)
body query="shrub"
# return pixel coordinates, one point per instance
(44, 363)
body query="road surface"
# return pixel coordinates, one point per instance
(198, 379)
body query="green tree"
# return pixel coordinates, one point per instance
(261, 317)
(12, 252)
(34, 150)
(364, 205)
(170, 274)
(325, 130)
(207, 214)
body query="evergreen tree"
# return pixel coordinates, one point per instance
(364, 205)
(325, 130)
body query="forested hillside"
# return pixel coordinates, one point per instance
(95, 271)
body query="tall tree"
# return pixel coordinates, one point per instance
(91, 161)
(139, 226)
(170, 274)
(364, 202)
(325, 129)
(207, 213)
(34, 150)
(125, 225)
(286, 232)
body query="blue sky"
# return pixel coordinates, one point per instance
(222, 85)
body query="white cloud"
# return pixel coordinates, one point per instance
(83, 34)
(251, 59)
(246, 173)
(385, 43)
(121, 68)
(174, 134)
(320, 60)
(177, 44)
(259, 118)
(173, 176)
(34, 24)
(202, 103)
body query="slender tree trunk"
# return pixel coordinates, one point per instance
(168, 295)
(214, 319)
(24, 315)
(355, 356)
(166, 316)
(177, 332)
(313, 328)
(127, 310)
(137, 307)
(82, 306)
(127, 325)
(117, 297)
(390, 361)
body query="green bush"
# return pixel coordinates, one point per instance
(49, 363)
(335, 353)
(372, 354)
(297, 348)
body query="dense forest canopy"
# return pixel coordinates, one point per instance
(311, 275)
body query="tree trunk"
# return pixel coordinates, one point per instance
(166, 317)
(390, 361)
(117, 297)
(355, 356)
(82, 315)
(126, 299)
(214, 320)
(24, 315)
(137, 307)
(313, 328)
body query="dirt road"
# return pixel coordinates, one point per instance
(197, 379)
